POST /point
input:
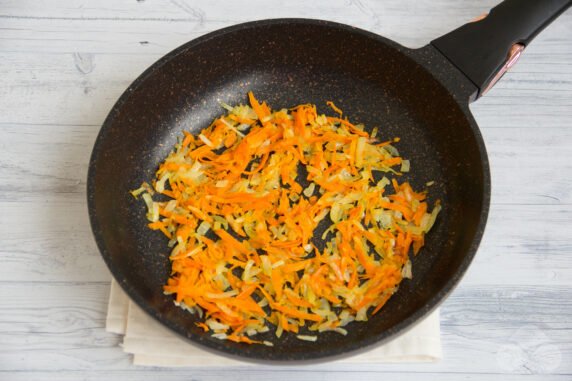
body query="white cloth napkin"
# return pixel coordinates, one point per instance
(154, 345)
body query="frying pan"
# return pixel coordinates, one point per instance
(420, 95)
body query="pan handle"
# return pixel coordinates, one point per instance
(485, 49)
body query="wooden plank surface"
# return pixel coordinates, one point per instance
(64, 63)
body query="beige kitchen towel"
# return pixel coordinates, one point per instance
(154, 345)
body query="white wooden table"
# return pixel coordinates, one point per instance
(64, 63)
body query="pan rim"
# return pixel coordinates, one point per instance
(352, 348)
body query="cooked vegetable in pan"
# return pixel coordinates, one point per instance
(285, 220)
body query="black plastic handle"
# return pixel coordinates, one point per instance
(482, 49)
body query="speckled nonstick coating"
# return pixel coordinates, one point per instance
(413, 94)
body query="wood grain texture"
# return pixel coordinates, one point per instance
(279, 375)
(64, 63)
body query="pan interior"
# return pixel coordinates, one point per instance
(285, 64)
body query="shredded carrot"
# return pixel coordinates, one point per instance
(203, 326)
(335, 108)
(242, 221)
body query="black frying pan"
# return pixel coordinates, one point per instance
(419, 95)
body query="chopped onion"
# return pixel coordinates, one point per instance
(406, 271)
(227, 107)
(307, 337)
(206, 140)
(309, 191)
(203, 228)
